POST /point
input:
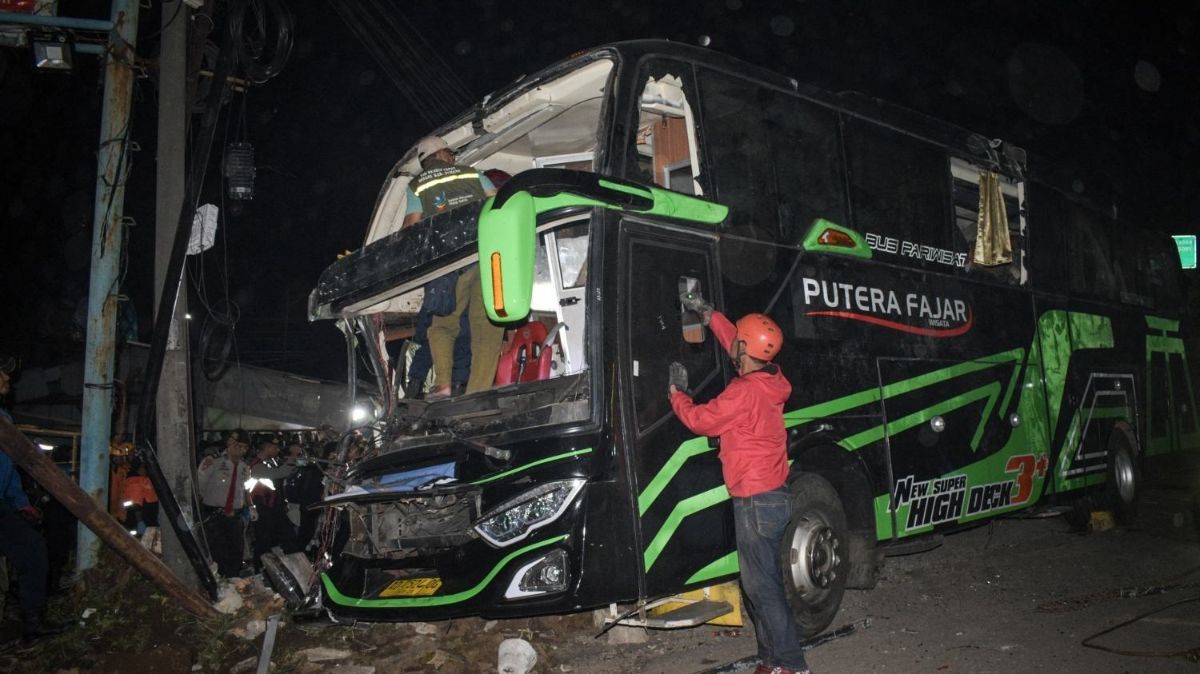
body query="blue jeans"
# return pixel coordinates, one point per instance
(759, 522)
(26, 549)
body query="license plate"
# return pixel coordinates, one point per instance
(412, 587)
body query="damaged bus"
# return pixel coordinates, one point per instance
(966, 339)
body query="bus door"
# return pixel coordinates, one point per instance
(686, 523)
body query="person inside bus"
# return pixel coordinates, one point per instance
(440, 187)
(748, 418)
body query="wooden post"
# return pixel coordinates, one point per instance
(26, 455)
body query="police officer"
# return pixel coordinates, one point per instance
(19, 541)
(222, 489)
(443, 186)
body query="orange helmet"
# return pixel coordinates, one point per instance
(762, 336)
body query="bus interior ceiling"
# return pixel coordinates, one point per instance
(557, 118)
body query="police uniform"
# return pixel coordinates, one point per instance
(222, 498)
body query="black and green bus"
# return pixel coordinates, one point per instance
(967, 337)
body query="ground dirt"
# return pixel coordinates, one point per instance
(1015, 595)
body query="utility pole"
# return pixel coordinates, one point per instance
(107, 243)
(174, 404)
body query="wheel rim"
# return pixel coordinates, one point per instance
(1123, 476)
(813, 558)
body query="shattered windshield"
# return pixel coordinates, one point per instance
(527, 374)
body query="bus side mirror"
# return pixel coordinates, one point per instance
(693, 327)
(689, 320)
(507, 248)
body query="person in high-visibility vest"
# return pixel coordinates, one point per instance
(272, 528)
(141, 506)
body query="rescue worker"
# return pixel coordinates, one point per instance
(118, 470)
(222, 489)
(141, 505)
(269, 515)
(303, 489)
(748, 418)
(19, 541)
(440, 187)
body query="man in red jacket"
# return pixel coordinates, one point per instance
(748, 418)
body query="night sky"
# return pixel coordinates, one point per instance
(1108, 90)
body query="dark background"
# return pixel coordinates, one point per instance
(1108, 90)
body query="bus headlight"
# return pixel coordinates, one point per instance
(516, 518)
(545, 575)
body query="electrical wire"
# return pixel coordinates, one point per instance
(425, 80)
(250, 47)
(409, 48)
(352, 17)
(1191, 654)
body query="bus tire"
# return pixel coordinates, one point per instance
(814, 553)
(1123, 484)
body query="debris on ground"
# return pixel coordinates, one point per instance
(515, 656)
(322, 654)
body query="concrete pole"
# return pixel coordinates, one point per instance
(174, 420)
(107, 244)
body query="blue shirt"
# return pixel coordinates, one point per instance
(13, 495)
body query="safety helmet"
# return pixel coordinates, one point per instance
(430, 145)
(762, 336)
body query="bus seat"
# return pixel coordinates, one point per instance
(526, 357)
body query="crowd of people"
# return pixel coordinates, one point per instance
(255, 496)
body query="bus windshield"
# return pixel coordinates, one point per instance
(539, 376)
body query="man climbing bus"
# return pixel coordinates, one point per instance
(748, 418)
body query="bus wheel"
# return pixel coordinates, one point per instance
(814, 553)
(1123, 479)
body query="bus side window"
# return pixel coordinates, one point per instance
(655, 325)
(899, 191)
(1047, 239)
(665, 142)
(1090, 253)
(1162, 273)
(965, 179)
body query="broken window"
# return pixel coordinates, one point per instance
(666, 131)
(973, 206)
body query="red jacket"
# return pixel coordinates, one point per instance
(748, 417)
